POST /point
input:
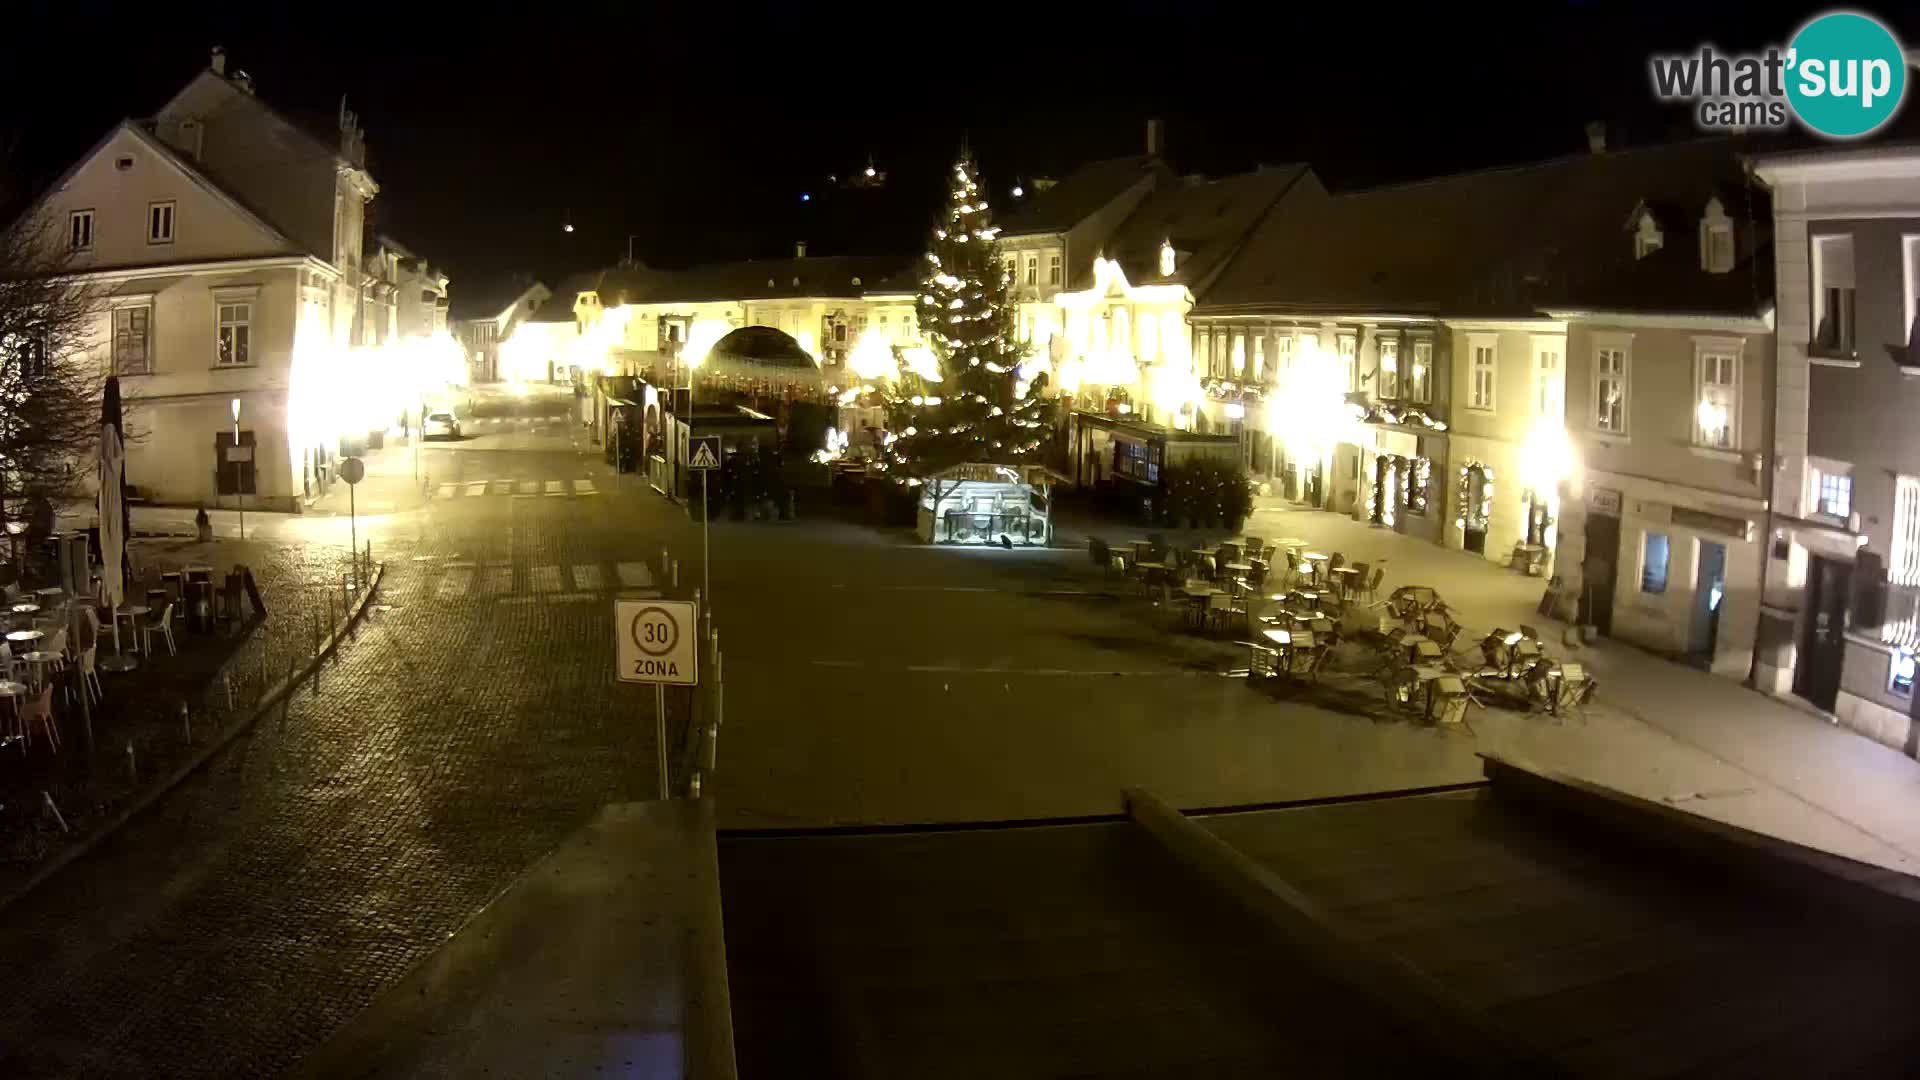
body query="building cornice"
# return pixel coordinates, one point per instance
(1739, 324)
(267, 262)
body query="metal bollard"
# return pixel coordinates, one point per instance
(226, 680)
(186, 722)
(60, 819)
(676, 575)
(133, 770)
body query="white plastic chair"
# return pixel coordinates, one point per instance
(39, 710)
(90, 678)
(164, 626)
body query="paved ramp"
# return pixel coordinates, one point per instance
(1069, 950)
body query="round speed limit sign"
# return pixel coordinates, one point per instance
(654, 641)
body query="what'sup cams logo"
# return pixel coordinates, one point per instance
(1843, 75)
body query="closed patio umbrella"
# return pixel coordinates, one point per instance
(113, 514)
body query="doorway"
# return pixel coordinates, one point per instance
(1709, 587)
(1476, 509)
(1823, 644)
(1598, 571)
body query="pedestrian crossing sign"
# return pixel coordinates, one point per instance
(706, 453)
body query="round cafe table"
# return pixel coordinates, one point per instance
(26, 609)
(50, 593)
(40, 660)
(14, 693)
(20, 637)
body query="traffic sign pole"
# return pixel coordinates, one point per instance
(660, 736)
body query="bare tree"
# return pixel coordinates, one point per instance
(50, 384)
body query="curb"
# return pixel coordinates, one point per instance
(268, 699)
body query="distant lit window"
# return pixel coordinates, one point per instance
(80, 230)
(160, 223)
(1653, 563)
(1717, 398)
(1836, 494)
(235, 335)
(132, 343)
(1033, 269)
(1485, 360)
(1347, 347)
(1900, 677)
(1420, 375)
(1833, 294)
(1053, 270)
(1387, 382)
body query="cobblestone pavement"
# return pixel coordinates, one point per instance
(460, 736)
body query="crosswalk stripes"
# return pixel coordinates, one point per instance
(520, 489)
(547, 583)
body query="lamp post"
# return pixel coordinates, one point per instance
(239, 498)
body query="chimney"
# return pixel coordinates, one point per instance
(799, 249)
(219, 61)
(1596, 137)
(1154, 148)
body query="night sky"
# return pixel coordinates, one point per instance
(695, 128)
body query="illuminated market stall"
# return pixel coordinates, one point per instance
(980, 503)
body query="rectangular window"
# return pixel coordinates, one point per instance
(1835, 494)
(1610, 389)
(1033, 269)
(1903, 567)
(1149, 337)
(1202, 358)
(1910, 256)
(1387, 382)
(1420, 374)
(1053, 269)
(1238, 358)
(1653, 563)
(132, 340)
(1013, 274)
(160, 223)
(1346, 347)
(80, 230)
(1716, 411)
(1833, 295)
(1485, 364)
(235, 335)
(1259, 357)
(1282, 354)
(1548, 386)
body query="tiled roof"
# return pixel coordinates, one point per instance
(1077, 196)
(1205, 221)
(1513, 241)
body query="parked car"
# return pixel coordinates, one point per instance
(443, 424)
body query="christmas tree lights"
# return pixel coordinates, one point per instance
(966, 399)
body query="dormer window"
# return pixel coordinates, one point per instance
(1716, 239)
(1166, 258)
(1647, 237)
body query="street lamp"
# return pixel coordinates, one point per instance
(239, 500)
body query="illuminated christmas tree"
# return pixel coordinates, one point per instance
(981, 407)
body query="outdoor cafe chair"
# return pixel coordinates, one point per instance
(163, 625)
(1371, 586)
(38, 711)
(89, 676)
